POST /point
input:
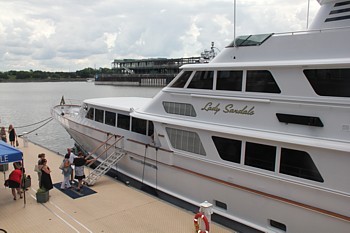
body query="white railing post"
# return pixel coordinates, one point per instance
(25, 139)
(207, 210)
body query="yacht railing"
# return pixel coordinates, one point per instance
(105, 150)
(268, 36)
(310, 31)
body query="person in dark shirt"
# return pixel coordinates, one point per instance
(12, 135)
(45, 181)
(79, 163)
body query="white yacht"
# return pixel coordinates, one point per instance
(262, 131)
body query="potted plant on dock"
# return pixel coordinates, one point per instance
(42, 195)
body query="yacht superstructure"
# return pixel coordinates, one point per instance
(262, 131)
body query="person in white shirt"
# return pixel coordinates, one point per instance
(72, 156)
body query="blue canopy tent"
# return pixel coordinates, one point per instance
(9, 154)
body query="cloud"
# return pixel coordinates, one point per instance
(71, 35)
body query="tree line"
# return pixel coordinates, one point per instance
(38, 75)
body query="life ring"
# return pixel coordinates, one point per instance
(196, 223)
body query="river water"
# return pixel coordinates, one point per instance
(23, 104)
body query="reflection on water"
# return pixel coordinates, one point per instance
(24, 104)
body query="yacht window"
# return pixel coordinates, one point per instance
(329, 82)
(138, 125)
(229, 149)
(260, 156)
(150, 128)
(181, 81)
(179, 108)
(250, 40)
(299, 163)
(229, 80)
(110, 118)
(123, 121)
(299, 119)
(185, 140)
(261, 81)
(99, 115)
(90, 114)
(342, 3)
(202, 80)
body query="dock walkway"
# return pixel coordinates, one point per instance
(114, 207)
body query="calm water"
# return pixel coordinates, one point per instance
(22, 104)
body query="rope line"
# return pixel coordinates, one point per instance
(33, 123)
(20, 135)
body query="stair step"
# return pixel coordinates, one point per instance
(103, 167)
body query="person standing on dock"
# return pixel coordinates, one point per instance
(12, 135)
(79, 163)
(72, 156)
(38, 167)
(45, 181)
(66, 171)
(15, 181)
(3, 134)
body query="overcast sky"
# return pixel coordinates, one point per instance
(70, 35)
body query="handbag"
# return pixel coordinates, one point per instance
(6, 183)
(36, 168)
(61, 166)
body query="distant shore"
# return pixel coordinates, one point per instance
(43, 80)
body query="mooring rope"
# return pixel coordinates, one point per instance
(20, 135)
(18, 127)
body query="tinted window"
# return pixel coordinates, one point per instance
(299, 163)
(260, 156)
(123, 121)
(330, 82)
(229, 149)
(250, 40)
(90, 114)
(99, 115)
(138, 125)
(110, 118)
(202, 80)
(299, 119)
(229, 80)
(181, 81)
(150, 128)
(261, 81)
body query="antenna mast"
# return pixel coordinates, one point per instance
(234, 23)
(308, 12)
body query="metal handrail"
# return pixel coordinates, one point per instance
(90, 163)
(103, 143)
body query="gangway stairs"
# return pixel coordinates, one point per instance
(104, 167)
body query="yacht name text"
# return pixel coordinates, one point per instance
(229, 108)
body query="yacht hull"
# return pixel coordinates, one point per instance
(189, 181)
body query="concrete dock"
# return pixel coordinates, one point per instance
(114, 207)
